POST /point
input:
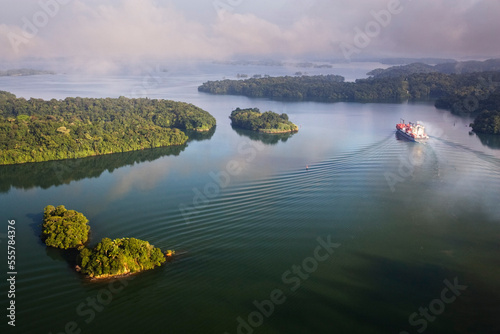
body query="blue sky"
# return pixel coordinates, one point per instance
(224, 29)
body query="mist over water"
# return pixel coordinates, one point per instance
(406, 217)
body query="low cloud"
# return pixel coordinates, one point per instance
(108, 32)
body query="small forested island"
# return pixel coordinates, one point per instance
(119, 257)
(37, 130)
(67, 229)
(267, 122)
(64, 228)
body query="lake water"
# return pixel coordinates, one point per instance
(376, 235)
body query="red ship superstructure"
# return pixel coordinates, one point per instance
(412, 131)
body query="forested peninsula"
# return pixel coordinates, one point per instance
(36, 130)
(267, 122)
(329, 88)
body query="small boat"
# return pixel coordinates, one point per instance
(412, 131)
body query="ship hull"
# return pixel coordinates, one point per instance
(410, 138)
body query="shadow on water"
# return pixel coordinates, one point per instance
(55, 173)
(491, 141)
(66, 255)
(382, 293)
(63, 255)
(266, 138)
(200, 136)
(36, 225)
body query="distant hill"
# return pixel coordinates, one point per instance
(447, 68)
(404, 70)
(406, 61)
(469, 66)
(23, 72)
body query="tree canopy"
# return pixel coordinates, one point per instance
(268, 122)
(37, 130)
(119, 256)
(447, 67)
(487, 122)
(64, 228)
(310, 88)
(394, 88)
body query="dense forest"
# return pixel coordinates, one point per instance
(467, 88)
(301, 88)
(487, 122)
(118, 257)
(57, 172)
(330, 88)
(432, 85)
(267, 122)
(467, 93)
(479, 95)
(64, 228)
(36, 130)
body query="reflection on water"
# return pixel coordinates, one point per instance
(438, 222)
(266, 138)
(200, 136)
(55, 173)
(491, 141)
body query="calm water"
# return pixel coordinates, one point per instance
(247, 218)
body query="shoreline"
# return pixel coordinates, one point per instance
(168, 258)
(275, 132)
(109, 153)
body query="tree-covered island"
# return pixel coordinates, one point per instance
(37, 130)
(63, 228)
(267, 122)
(68, 229)
(119, 257)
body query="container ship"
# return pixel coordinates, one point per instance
(412, 131)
